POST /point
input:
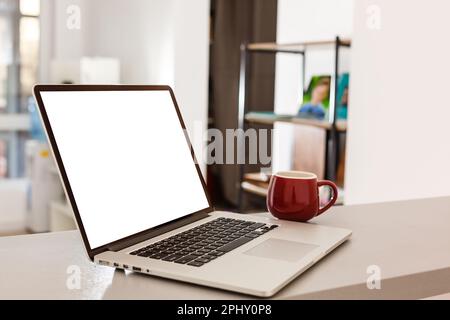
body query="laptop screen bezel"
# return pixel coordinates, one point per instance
(63, 175)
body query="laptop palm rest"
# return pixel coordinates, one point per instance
(278, 249)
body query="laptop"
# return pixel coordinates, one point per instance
(140, 200)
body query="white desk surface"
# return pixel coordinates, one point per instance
(408, 240)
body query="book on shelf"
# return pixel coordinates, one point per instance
(257, 177)
(257, 183)
(253, 188)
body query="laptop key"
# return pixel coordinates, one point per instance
(216, 253)
(234, 244)
(195, 263)
(252, 235)
(172, 257)
(222, 241)
(203, 259)
(256, 226)
(185, 259)
(148, 253)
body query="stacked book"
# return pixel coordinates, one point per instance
(256, 183)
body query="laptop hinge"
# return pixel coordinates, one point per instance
(157, 231)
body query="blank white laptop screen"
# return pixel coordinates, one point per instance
(126, 158)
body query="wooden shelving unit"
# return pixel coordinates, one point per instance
(332, 126)
(300, 47)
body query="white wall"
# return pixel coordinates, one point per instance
(157, 42)
(138, 32)
(297, 21)
(306, 20)
(398, 139)
(191, 56)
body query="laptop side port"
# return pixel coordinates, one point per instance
(136, 269)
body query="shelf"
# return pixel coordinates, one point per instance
(266, 117)
(274, 47)
(341, 125)
(269, 119)
(299, 47)
(326, 126)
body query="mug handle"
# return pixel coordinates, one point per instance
(333, 187)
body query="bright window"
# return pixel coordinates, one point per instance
(19, 58)
(30, 7)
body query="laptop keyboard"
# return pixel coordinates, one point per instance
(206, 242)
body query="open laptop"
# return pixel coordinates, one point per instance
(140, 201)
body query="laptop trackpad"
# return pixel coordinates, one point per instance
(278, 249)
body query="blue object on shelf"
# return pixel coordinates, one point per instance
(342, 107)
(315, 111)
(36, 132)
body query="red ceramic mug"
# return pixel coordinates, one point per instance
(294, 195)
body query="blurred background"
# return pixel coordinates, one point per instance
(355, 91)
